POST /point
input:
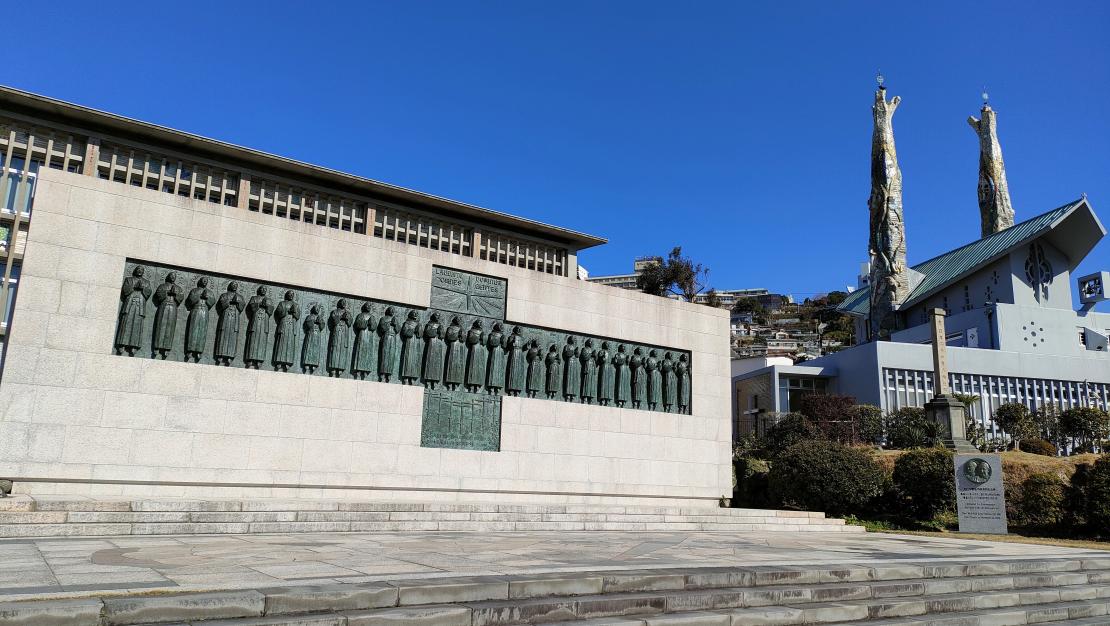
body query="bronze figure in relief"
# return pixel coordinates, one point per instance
(200, 300)
(132, 312)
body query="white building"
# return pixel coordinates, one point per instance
(1011, 325)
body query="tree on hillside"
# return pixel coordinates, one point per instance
(748, 305)
(677, 274)
(713, 299)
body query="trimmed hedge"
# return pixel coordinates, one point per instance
(825, 476)
(1041, 502)
(909, 427)
(925, 480)
(791, 429)
(750, 490)
(1097, 496)
(1037, 446)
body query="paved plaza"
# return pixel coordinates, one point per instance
(41, 568)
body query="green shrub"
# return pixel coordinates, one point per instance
(1075, 498)
(1087, 425)
(825, 476)
(909, 427)
(869, 423)
(1016, 421)
(925, 480)
(1098, 496)
(1037, 446)
(1041, 502)
(833, 414)
(750, 489)
(1046, 422)
(791, 429)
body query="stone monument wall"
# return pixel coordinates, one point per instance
(340, 365)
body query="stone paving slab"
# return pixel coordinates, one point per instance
(64, 567)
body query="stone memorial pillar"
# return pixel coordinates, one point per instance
(945, 409)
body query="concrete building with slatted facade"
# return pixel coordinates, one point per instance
(39, 133)
(1015, 329)
(191, 318)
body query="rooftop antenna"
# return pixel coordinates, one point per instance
(879, 78)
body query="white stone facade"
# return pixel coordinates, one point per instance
(78, 419)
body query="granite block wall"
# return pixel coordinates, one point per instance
(75, 418)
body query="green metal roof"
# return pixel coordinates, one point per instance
(949, 267)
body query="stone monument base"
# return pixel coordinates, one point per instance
(949, 415)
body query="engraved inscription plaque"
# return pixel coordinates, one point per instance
(470, 294)
(459, 419)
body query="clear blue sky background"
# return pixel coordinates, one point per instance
(738, 131)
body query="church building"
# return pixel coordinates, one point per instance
(1015, 329)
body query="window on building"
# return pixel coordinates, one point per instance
(792, 390)
(18, 189)
(12, 283)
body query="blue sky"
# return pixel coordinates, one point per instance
(739, 131)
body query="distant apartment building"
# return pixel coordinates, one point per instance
(728, 297)
(626, 281)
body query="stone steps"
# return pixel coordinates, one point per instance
(24, 516)
(940, 593)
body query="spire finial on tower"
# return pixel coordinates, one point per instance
(996, 213)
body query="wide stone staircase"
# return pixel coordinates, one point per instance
(58, 516)
(939, 593)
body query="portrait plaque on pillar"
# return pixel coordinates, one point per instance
(980, 495)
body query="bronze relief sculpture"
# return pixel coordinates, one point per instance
(201, 299)
(259, 310)
(589, 371)
(286, 315)
(339, 339)
(313, 325)
(229, 309)
(435, 350)
(682, 371)
(167, 298)
(639, 379)
(465, 359)
(410, 350)
(608, 375)
(132, 312)
(390, 357)
(364, 361)
(455, 372)
(476, 357)
(495, 370)
(624, 376)
(572, 371)
(518, 366)
(654, 381)
(670, 383)
(535, 369)
(554, 364)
